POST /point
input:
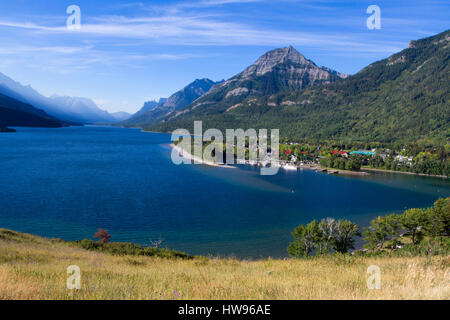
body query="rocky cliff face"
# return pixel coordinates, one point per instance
(271, 59)
(290, 62)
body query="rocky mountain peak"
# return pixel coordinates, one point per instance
(269, 60)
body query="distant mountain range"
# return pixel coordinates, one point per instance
(67, 109)
(16, 113)
(153, 111)
(404, 98)
(400, 99)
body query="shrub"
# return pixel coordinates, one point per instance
(126, 248)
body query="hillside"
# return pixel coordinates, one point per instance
(404, 98)
(152, 112)
(35, 268)
(15, 113)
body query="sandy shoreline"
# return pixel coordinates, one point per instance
(343, 172)
(197, 160)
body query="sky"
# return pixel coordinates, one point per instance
(126, 53)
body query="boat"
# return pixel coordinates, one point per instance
(290, 167)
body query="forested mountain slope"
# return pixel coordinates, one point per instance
(403, 98)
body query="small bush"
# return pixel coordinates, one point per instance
(126, 248)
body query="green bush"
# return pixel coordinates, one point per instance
(126, 248)
(414, 232)
(321, 237)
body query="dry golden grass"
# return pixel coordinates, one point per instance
(35, 268)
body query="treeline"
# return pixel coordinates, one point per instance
(425, 158)
(351, 163)
(416, 230)
(427, 164)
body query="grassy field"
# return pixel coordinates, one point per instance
(36, 268)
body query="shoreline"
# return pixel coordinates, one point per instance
(406, 172)
(343, 172)
(183, 153)
(317, 168)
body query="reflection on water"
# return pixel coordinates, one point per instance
(243, 176)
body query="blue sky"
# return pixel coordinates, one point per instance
(129, 52)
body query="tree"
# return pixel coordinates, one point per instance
(446, 217)
(393, 229)
(343, 239)
(102, 235)
(413, 221)
(438, 219)
(306, 239)
(376, 234)
(327, 228)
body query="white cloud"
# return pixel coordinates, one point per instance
(195, 30)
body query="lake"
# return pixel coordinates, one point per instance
(68, 182)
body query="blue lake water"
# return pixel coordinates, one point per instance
(69, 182)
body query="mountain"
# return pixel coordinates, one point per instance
(276, 71)
(15, 113)
(121, 116)
(403, 98)
(75, 110)
(82, 109)
(152, 113)
(148, 106)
